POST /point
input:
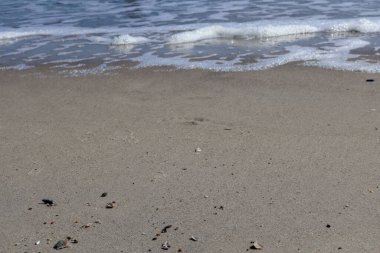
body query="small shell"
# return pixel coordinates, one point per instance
(111, 205)
(256, 245)
(165, 246)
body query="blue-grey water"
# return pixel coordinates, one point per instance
(93, 36)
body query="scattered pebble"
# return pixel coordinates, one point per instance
(328, 226)
(104, 194)
(87, 225)
(37, 242)
(49, 202)
(74, 241)
(256, 246)
(199, 119)
(165, 246)
(179, 250)
(164, 230)
(61, 244)
(198, 150)
(98, 222)
(193, 238)
(111, 205)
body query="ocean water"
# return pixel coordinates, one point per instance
(94, 36)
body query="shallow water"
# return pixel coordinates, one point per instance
(219, 35)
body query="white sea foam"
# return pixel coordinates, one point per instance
(260, 30)
(50, 31)
(127, 39)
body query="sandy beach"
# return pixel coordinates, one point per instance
(287, 157)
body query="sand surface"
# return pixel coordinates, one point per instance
(284, 153)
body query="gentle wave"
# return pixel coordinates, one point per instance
(258, 30)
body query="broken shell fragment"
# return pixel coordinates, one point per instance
(256, 246)
(165, 246)
(193, 238)
(164, 230)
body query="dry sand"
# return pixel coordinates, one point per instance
(284, 153)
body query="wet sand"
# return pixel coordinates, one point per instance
(289, 157)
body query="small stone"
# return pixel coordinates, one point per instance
(193, 238)
(48, 202)
(198, 150)
(98, 222)
(104, 194)
(61, 244)
(165, 246)
(37, 242)
(179, 250)
(111, 205)
(256, 246)
(328, 226)
(370, 80)
(74, 241)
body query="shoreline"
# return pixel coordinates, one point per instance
(288, 157)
